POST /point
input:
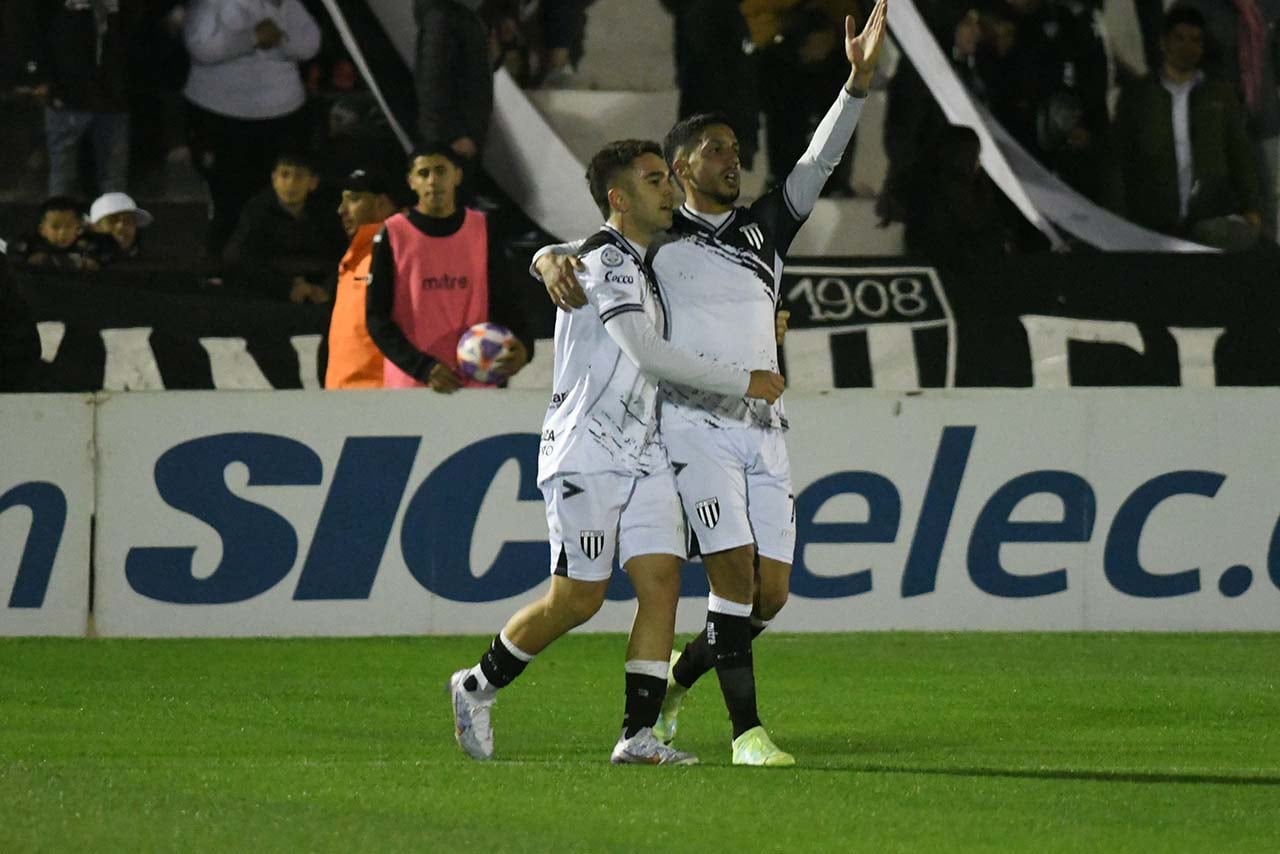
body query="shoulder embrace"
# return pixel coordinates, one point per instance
(608, 264)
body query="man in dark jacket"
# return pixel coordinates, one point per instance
(1242, 48)
(74, 55)
(1184, 162)
(452, 75)
(19, 341)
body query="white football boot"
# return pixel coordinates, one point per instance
(471, 725)
(643, 748)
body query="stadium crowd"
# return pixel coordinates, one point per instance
(1173, 122)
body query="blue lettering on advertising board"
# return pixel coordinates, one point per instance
(48, 508)
(357, 518)
(259, 545)
(1120, 560)
(370, 484)
(994, 528)
(884, 512)
(440, 523)
(921, 573)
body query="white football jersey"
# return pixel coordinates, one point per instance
(603, 413)
(720, 284)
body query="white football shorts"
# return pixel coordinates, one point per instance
(593, 516)
(735, 486)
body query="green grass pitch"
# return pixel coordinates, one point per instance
(905, 742)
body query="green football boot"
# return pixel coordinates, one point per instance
(665, 727)
(754, 747)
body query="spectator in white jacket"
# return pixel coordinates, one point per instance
(245, 96)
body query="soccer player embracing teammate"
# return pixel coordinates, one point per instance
(719, 270)
(602, 466)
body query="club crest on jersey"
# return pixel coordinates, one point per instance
(611, 256)
(708, 511)
(754, 235)
(592, 543)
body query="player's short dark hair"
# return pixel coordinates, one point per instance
(1178, 15)
(438, 149)
(610, 162)
(299, 159)
(62, 203)
(687, 131)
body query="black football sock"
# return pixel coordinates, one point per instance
(644, 701)
(500, 664)
(696, 659)
(729, 638)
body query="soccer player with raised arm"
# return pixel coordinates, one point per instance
(603, 469)
(719, 272)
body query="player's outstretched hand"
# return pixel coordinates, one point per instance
(516, 357)
(559, 275)
(766, 386)
(443, 380)
(863, 49)
(780, 321)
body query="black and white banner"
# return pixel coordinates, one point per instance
(150, 330)
(1046, 321)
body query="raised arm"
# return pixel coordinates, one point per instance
(832, 136)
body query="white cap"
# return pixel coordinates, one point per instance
(114, 203)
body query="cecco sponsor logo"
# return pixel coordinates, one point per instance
(370, 484)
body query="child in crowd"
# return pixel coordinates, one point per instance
(288, 241)
(59, 243)
(115, 219)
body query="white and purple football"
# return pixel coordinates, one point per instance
(479, 349)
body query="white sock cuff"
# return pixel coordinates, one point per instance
(758, 623)
(656, 669)
(513, 649)
(724, 606)
(482, 683)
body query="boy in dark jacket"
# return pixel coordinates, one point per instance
(288, 241)
(60, 243)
